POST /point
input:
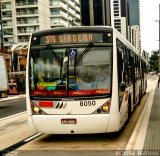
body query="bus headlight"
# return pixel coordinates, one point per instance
(36, 109)
(105, 108)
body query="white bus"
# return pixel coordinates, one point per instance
(82, 80)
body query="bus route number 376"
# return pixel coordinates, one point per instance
(88, 103)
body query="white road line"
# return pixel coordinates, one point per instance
(11, 116)
(32, 137)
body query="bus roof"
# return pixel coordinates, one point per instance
(72, 29)
(90, 29)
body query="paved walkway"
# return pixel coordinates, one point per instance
(152, 139)
(146, 134)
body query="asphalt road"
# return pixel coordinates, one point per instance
(67, 145)
(8, 108)
(83, 142)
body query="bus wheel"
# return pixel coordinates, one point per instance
(145, 88)
(139, 101)
(129, 109)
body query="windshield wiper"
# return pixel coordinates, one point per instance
(86, 50)
(54, 54)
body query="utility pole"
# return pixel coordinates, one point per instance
(158, 52)
(159, 29)
(1, 27)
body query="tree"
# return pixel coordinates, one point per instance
(154, 61)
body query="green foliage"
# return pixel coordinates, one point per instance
(154, 62)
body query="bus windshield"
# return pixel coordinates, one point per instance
(78, 71)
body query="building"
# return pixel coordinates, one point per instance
(121, 17)
(106, 12)
(96, 12)
(127, 21)
(22, 17)
(134, 15)
(134, 18)
(117, 14)
(135, 37)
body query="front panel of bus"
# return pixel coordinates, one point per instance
(70, 81)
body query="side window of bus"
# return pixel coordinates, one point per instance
(126, 66)
(139, 71)
(129, 66)
(120, 66)
(121, 81)
(121, 71)
(137, 68)
(132, 66)
(142, 64)
(123, 66)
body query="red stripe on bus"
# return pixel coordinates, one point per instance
(45, 104)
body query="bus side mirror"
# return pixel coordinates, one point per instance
(122, 86)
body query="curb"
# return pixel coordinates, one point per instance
(137, 138)
(13, 97)
(11, 116)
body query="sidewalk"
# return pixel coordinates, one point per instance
(146, 134)
(12, 97)
(152, 139)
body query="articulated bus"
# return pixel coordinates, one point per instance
(82, 80)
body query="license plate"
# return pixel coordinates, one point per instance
(68, 121)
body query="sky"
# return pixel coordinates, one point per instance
(149, 22)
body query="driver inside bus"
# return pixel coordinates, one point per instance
(103, 80)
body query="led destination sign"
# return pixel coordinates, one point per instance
(76, 38)
(72, 38)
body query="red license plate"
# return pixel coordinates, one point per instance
(68, 121)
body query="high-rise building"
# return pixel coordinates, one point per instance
(117, 14)
(134, 12)
(134, 19)
(106, 12)
(121, 12)
(121, 17)
(22, 17)
(135, 37)
(95, 12)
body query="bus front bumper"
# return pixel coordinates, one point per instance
(75, 124)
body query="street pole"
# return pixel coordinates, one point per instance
(1, 27)
(159, 28)
(159, 40)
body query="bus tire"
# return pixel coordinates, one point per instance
(139, 100)
(129, 109)
(145, 88)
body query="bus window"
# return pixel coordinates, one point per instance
(71, 71)
(94, 70)
(127, 74)
(120, 65)
(120, 76)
